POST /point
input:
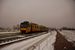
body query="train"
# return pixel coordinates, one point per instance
(28, 27)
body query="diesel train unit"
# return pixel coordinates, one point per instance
(27, 27)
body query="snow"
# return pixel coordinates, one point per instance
(23, 45)
(8, 32)
(69, 35)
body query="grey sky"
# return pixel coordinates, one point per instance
(52, 13)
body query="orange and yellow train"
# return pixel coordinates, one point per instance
(27, 27)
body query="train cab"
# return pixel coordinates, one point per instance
(25, 27)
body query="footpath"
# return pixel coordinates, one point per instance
(62, 43)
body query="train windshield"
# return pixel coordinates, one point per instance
(24, 24)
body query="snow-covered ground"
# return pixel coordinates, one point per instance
(9, 32)
(69, 35)
(47, 44)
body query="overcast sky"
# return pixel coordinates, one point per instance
(52, 13)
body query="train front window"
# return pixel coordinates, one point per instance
(24, 24)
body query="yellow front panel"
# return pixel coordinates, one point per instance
(23, 29)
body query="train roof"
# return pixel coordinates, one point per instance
(34, 23)
(24, 22)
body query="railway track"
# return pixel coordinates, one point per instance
(13, 39)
